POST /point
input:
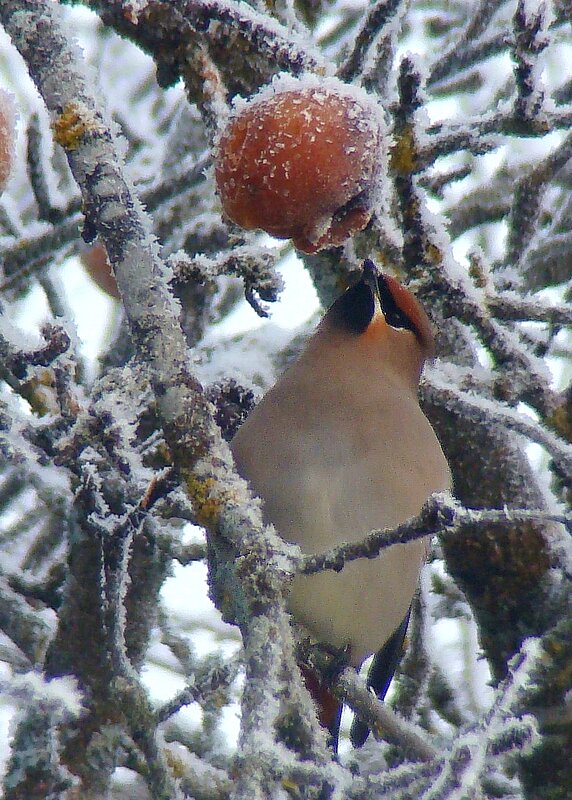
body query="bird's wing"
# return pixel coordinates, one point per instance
(380, 674)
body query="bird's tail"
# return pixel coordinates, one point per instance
(380, 675)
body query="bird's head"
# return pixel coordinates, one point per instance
(382, 321)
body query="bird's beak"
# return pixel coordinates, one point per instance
(369, 277)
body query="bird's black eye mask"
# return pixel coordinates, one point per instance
(354, 310)
(393, 314)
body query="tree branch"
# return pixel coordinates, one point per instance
(441, 515)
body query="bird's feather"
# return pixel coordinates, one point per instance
(380, 675)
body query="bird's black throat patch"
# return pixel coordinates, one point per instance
(354, 310)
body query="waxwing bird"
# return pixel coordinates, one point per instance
(339, 447)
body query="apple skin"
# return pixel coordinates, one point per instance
(301, 163)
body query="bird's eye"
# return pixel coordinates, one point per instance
(393, 313)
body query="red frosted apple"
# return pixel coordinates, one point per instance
(301, 161)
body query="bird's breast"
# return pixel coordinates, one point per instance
(327, 479)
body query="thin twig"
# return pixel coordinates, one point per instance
(381, 719)
(218, 677)
(511, 306)
(528, 195)
(442, 392)
(441, 515)
(462, 51)
(378, 16)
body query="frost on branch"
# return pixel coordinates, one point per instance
(117, 671)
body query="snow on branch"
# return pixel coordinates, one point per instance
(528, 195)
(530, 40)
(204, 686)
(382, 720)
(171, 31)
(266, 36)
(511, 306)
(98, 476)
(462, 52)
(380, 15)
(255, 265)
(21, 261)
(441, 392)
(26, 630)
(473, 760)
(203, 461)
